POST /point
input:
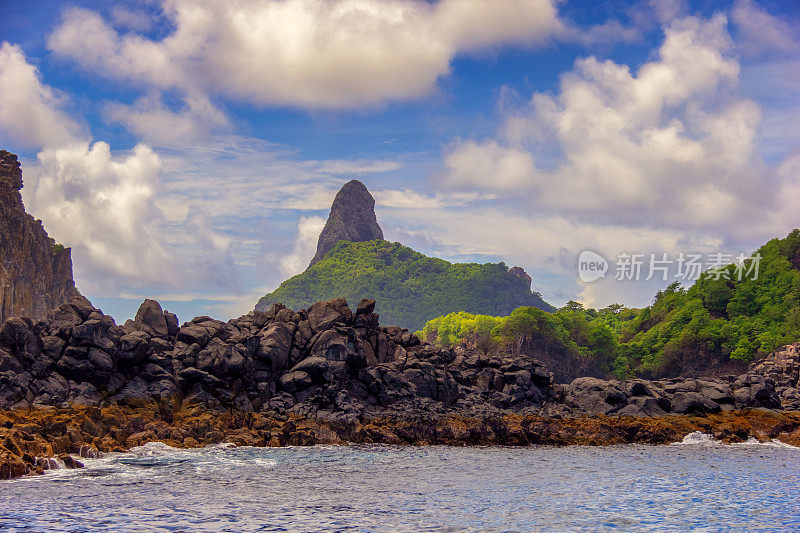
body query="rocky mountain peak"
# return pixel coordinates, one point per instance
(352, 218)
(35, 272)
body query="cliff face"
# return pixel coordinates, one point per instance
(35, 274)
(352, 218)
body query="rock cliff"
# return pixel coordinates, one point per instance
(35, 273)
(352, 218)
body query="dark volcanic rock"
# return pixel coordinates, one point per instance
(35, 274)
(327, 363)
(352, 218)
(782, 366)
(152, 320)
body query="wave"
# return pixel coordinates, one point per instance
(698, 438)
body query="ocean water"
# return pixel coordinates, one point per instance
(698, 485)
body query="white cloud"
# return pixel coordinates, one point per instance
(150, 120)
(668, 10)
(671, 144)
(547, 246)
(312, 54)
(102, 206)
(410, 199)
(31, 114)
(611, 31)
(132, 19)
(308, 230)
(233, 174)
(662, 159)
(489, 165)
(760, 32)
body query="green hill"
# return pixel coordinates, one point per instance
(409, 287)
(716, 321)
(714, 326)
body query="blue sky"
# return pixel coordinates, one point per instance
(190, 152)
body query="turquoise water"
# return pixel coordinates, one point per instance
(702, 486)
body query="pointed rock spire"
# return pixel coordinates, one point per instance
(352, 218)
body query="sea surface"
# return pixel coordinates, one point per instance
(697, 485)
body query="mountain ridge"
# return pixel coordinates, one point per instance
(409, 287)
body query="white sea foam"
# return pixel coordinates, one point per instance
(774, 443)
(698, 438)
(153, 448)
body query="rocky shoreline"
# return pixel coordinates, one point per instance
(35, 441)
(77, 384)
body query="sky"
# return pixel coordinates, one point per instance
(189, 151)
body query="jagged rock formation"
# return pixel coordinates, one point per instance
(326, 361)
(352, 218)
(783, 368)
(327, 374)
(35, 273)
(325, 357)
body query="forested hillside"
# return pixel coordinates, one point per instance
(409, 287)
(719, 324)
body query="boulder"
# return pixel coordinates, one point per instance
(365, 307)
(222, 359)
(150, 318)
(193, 375)
(275, 344)
(199, 331)
(316, 367)
(595, 396)
(134, 348)
(692, 403)
(781, 366)
(295, 381)
(324, 315)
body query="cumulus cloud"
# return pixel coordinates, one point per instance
(31, 113)
(671, 144)
(153, 122)
(664, 158)
(311, 54)
(611, 31)
(102, 206)
(489, 165)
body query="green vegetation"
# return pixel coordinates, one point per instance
(409, 287)
(571, 333)
(56, 248)
(720, 319)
